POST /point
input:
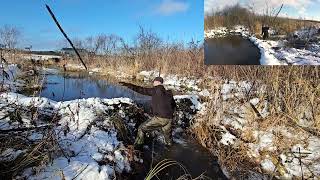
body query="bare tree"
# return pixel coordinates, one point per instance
(147, 41)
(9, 36)
(95, 44)
(126, 50)
(89, 44)
(99, 43)
(77, 42)
(112, 44)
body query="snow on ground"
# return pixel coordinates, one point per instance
(75, 66)
(10, 154)
(99, 70)
(190, 84)
(194, 99)
(47, 71)
(278, 52)
(231, 89)
(307, 32)
(85, 132)
(266, 51)
(89, 138)
(227, 138)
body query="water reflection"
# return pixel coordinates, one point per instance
(231, 50)
(79, 85)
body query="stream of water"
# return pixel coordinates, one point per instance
(59, 87)
(185, 150)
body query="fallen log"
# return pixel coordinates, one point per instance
(6, 131)
(310, 130)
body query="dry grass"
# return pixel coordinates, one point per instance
(235, 15)
(166, 164)
(171, 59)
(35, 153)
(292, 93)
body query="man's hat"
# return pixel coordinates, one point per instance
(160, 79)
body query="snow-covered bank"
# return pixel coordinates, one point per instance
(269, 145)
(89, 141)
(86, 135)
(188, 85)
(277, 52)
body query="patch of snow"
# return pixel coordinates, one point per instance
(194, 99)
(10, 154)
(227, 138)
(267, 165)
(254, 101)
(205, 93)
(83, 143)
(49, 70)
(266, 51)
(149, 74)
(96, 70)
(75, 66)
(231, 89)
(172, 81)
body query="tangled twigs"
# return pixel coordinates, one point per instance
(33, 153)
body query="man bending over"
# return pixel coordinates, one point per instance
(163, 106)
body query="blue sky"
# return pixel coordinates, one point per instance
(173, 20)
(305, 9)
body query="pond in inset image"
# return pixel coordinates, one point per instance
(231, 50)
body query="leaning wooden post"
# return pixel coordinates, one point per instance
(65, 35)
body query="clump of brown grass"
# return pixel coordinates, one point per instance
(234, 159)
(292, 93)
(35, 153)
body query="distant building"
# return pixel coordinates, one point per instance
(70, 51)
(42, 55)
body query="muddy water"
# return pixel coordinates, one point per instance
(188, 152)
(231, 50)
(196, 160)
